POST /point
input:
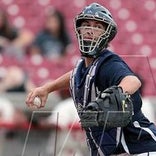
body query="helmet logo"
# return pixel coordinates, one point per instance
(96, 14)
(89, 11)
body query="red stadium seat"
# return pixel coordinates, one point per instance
(139, 18)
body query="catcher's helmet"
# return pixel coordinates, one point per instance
(98, 13)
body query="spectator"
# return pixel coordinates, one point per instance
(13, 78)
(12, 40)
(9, 114)
(53, 40)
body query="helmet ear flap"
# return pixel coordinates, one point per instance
(79, 22)
(113, 34)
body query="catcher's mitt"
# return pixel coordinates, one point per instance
(112, 109)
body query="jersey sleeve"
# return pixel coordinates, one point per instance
(113, 72)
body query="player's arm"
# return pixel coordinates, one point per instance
(130, 84)
(42, 92)
(58, 84)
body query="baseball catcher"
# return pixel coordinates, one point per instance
(104, 111)
(112, 109)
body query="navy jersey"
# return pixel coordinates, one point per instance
(86, 84)
(111, 71)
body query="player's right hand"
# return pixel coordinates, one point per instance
(41, 92)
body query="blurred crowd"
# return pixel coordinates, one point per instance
(26, 56)
(23, 54)
(51, 42)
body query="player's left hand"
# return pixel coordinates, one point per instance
(112, 109)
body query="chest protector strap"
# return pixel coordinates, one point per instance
(87, 84)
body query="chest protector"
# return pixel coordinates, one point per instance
(87, 91)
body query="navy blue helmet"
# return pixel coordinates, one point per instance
(99, 13)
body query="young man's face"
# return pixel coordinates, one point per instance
(91, 29)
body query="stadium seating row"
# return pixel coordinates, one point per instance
(136, 32)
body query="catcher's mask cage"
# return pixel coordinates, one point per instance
(92, 47)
